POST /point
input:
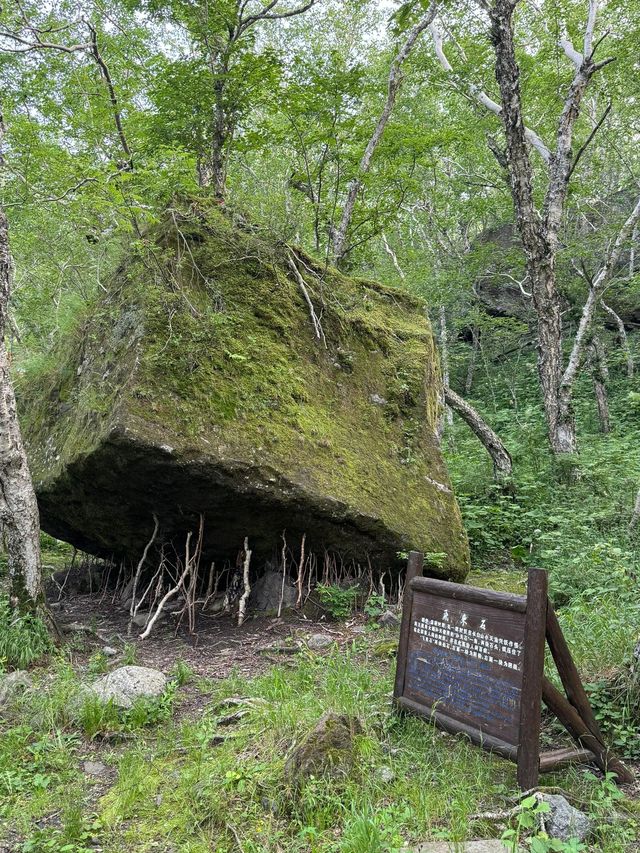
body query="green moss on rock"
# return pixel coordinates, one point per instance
(197, 386)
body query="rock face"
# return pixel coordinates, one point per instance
(197, 386)
(328, 750)
(563, 821)
(128, 683)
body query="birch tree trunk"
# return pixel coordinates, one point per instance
(19, 518)
(500, 456)
(539, 252)
(447, 414)
(340, 245)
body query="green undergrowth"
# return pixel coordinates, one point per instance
(214, 780)
(571, 519)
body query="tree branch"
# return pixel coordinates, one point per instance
(393, 86)
(500, 456)
(481, 97)
(106, 76)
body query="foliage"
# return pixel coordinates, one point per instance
(338, 600)
(23, 638)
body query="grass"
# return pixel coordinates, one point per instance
(189, 783)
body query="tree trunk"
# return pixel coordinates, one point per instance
(19, 518)
(622, 337)
(539, 251)
(447, 414)
(500, 456)
(635, 515)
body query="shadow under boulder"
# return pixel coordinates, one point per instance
(197, 389)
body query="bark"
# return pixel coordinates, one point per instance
(19, 518)
(539, 252)
(622, 337)
(500, 456)
(447, 414)
(635, 515)
(340, 236)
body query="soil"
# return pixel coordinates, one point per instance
(218, 646)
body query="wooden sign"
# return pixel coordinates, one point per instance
(472, 661)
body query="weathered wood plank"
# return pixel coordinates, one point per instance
(532, 671)
(555, 758)
(448, 724)
(473, 594)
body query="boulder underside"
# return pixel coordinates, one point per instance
(203, 392)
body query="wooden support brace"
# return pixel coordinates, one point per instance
(578, 729)
(555, 758)
(414, 569)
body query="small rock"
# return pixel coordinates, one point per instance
(94, 768)
(377, 400)
(12, 682)
(563, 821)
(109, 651)
(358, 629)
(128, 683)
(388, 619)
(386, 775)
(319, 641)
(141, 619)
(328, 749)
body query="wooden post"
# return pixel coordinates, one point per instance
(414, 569)
(532, 673)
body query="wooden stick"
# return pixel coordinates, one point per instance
(569, 674)
(455, 727)
(245, 576)
(474, 594)
(532, 672)
(578, 729)
(414, 570)
(555, 758)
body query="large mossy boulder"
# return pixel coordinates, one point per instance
(197, 386)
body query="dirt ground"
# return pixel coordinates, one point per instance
(218, 646)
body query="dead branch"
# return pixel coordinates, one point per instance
(317, 326)
(171, 592)
(245, 577)
(136, 577)
(301, 573)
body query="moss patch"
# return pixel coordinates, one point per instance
(198, 385)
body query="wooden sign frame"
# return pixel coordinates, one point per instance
(514, 730)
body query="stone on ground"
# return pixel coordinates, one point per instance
(316, 642)
(12, 683)
(563, 821)
(328, 750)
(267, 591)
(388, 619)
(128, 683)
(94, 768)
(196, 387)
